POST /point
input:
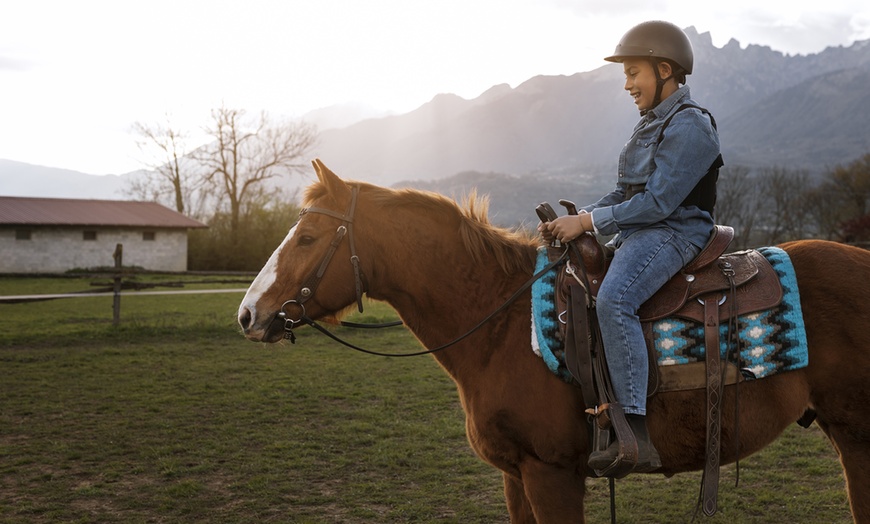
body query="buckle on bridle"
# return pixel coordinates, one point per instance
(290, 323)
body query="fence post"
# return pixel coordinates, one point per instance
(116, 287)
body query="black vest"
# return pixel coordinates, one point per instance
(704, 193)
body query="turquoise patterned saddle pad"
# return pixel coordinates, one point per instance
(770, 341)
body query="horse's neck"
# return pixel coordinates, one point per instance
(441, 297)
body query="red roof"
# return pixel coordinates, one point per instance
(26, 211)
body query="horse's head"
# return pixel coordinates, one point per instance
(315, 272)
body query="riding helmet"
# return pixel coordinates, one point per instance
(655, 39)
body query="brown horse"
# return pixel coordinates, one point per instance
(444, 268)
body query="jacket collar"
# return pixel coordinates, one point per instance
(668, 104)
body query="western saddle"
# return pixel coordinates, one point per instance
(712, 289)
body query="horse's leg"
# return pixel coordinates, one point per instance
(518, 505)
(554, 492)
(834, 290)
(840, 398)
(853, 446)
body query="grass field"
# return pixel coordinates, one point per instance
(174, 417)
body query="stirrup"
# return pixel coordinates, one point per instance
(611, 416)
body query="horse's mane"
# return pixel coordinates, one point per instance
(512, 250)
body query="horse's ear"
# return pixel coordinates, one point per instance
(334, 185)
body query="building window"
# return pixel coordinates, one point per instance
(22, 234)
(148, 236)
(89, 235)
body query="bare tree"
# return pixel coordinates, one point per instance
(244, 154)
(784, 215)
(800, 223)
(737, 202)
(169, 174)
(824, 207)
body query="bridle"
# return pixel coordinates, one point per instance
(310, 284)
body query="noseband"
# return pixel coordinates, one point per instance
(309, 286)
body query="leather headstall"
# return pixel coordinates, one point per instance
(309, 286)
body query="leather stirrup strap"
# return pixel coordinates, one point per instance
(578, 353)
(710, 481)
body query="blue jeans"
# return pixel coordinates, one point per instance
(641, 265)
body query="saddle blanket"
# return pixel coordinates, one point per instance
(770, 341)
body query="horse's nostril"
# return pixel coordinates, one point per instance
(246, 318)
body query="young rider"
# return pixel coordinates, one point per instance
(660, 211)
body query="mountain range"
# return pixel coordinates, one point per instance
(564, 133)
(804, 112)
(22, 179)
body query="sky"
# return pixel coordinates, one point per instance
(76, 75)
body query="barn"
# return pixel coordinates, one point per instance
(53, 235)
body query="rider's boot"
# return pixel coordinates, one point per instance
(647, 456)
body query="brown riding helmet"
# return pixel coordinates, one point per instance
(656, 39)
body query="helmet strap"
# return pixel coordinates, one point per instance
(660, 84)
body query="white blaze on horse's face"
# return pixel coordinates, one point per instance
(267, 276)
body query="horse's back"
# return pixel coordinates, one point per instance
(834, 285)
(827, 261)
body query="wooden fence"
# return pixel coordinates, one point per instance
(118, 286)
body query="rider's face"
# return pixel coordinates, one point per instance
(640, 81)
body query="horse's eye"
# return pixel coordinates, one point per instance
(306, 240)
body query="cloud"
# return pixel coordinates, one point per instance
(802, 33)
(612, 7)
(11, 64)
(860, 26)
(95, 75)
(809, 29)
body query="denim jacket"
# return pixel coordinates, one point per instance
(670, 170)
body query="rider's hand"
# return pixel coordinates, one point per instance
(566, 228)
(544, 230)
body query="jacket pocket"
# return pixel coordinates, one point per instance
(640, 160)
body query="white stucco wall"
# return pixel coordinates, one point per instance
(56, 249)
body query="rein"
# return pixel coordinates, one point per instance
(442, 347)
(313, 281)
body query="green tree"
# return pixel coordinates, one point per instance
(847, 187)
(852, 183)
(263, 224)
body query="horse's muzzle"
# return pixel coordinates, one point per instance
(271, 331)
